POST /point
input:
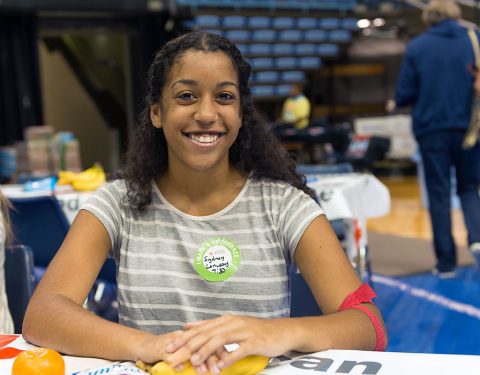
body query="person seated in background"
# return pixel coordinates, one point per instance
(6, 323)
(296, 108)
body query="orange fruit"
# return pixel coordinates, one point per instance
(39, 361)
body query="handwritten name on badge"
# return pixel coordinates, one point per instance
(217, 259)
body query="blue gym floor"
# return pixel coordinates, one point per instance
(425, 314)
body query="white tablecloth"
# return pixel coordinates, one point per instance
(327, 362)
(351, 195)
(71, 201)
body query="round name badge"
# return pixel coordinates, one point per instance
(217, 259)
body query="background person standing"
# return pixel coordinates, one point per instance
(435, 80)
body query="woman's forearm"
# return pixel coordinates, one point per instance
(58, 323)
(349, 329)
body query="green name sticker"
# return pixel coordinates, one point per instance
(217, 259)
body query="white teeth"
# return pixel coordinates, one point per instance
(210, 138)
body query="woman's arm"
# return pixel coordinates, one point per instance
(331, 278)
(55, 317)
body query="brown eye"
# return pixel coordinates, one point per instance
(225, 97)
(185, 96)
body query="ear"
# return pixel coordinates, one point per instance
(156, 115)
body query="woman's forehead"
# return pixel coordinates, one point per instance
(202, 64)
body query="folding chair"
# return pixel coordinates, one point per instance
(19, 281)
(283, 49)
(39, 223)
(205, 21)
(234, 22)
(259, 22)
(306, 23)
(262, 90)
(283, 23)
(329, 23)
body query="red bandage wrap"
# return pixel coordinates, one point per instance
(354, 301)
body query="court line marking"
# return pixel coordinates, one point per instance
(462, 308)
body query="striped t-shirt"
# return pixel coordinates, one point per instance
(158, 252)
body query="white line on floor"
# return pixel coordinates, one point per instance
(438, 299)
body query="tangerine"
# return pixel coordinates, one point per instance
(39, 361)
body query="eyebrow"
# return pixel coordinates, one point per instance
(191, 82)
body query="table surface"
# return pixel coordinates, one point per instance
(329, 361)
(350, 195)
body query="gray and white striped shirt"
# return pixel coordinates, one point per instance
(159, 288)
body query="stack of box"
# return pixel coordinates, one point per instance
(398, 128)
(44, 153)
(34, 154)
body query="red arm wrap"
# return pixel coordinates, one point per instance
(354, 300)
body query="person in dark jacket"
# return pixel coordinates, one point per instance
(436, 80)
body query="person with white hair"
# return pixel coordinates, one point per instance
(436, 80)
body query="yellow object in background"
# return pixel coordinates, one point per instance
(39, 361)
(250, 365)
(88, 180)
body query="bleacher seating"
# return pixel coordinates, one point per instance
(305, 5)
(263, 49)
(282, 49)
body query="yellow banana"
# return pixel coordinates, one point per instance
(250, 365)
(90, 179)
(66, 177)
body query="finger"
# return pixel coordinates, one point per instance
(182, 355)
(193, 329)
(202, 347)
(189, 325)
(201, 369)
(229, 358)
(197, 336)
(212, 365)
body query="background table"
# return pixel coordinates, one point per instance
(353, 197)
(71, 201)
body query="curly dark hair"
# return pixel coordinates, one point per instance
(255, 151)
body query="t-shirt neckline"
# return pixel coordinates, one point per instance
(223, 211)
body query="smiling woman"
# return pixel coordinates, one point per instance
(204, 221)
(199, 113)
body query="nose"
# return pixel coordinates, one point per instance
(206, 112)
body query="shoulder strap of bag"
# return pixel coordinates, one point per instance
(476, 50)
(472, 133)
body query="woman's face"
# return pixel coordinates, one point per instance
(199, 111)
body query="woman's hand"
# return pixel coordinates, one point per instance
(153, 348)
(203, 342)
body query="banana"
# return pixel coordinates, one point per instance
(90, 179)
(66, 177)
(250, 365)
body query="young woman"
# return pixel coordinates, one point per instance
(204, 222)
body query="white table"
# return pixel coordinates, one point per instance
(353, 197)
(327, 362)
(70, 200)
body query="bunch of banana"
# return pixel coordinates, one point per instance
(250, 365)
(88, 180)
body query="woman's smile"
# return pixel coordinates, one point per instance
(205, 139)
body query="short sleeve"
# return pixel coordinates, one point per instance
(106, 204)
(297, 211)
